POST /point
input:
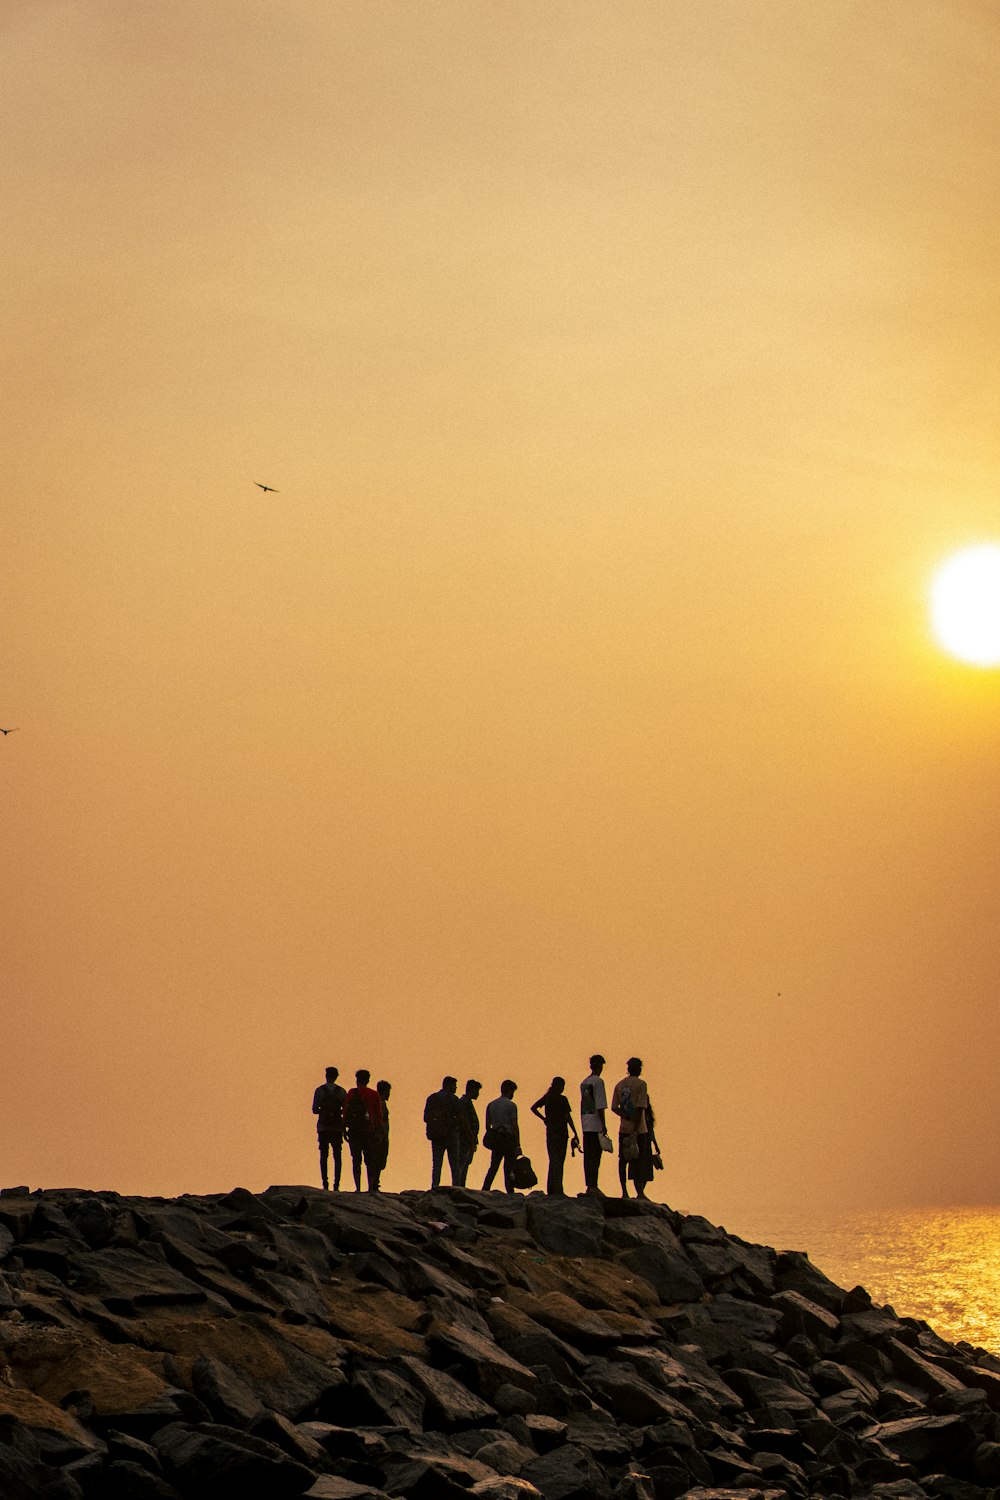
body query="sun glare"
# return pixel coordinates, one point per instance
(965, 605)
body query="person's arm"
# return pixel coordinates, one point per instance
(316, 1100)
(536, 1108)
(572, 1125)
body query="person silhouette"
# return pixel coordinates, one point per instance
(362, 1119)
(593, 1104)
(555, 1112)
(442, 1115)
(380, 1140)
(328, 1107)
(502, 1135)
(468, 1129)
(630, 1102)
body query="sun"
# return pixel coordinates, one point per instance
(965, 605)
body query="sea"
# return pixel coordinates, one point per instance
(938, 1264)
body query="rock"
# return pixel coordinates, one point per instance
(924, 1440)
(505, 1487)
(211, 1459)
(487, 1363)
(122, 1480)
(672, 1276)
(435, 1345)
(566, 1226)
(228, 1398)
(381, 1396)
(799, 1316)
(331, 1487)
(447, 1402)
(568, 1473)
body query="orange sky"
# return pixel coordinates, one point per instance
(624, 371)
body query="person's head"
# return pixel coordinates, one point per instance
(558, 1086)
(332, 1074)
(508, 1088)
(449, 1084)
(383, 1088)
(634, 1066)
(364, 1077)
(597, 1064)
(473, 1087)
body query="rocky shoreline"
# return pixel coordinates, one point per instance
(348, 1347)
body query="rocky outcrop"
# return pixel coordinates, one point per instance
(295, 1342)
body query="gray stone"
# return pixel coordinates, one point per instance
(448, 1403)
(568, 1473)
(332, 1487)
(566, 1226)
(219, 1459)
(227, 1396)
(671, 1275)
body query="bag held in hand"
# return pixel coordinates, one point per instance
(628, 1148)
(607, 1144)
(523, 1173)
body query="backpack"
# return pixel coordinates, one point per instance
(356, 1113)
(523, 1173)
(442, 1116)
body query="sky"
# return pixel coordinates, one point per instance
(624, 373)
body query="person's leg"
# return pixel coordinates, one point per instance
(622, 1170)
(324, 1151)
(455, 1158)
(496, 1157)
(357, 1150)
(373, 1164)
(337, 1145)
(557, 1161)
(509, 1158)
(592, 1154)
(643, 1167)
(437, 1162)
(462, 1164)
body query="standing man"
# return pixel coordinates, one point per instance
(504, 1135)
(593, 1103)
(441, 1117)
(363, 1118)
(328, 1107)
(630, 1102)
(468, 1128)
(380, 1144)
(556, 1114)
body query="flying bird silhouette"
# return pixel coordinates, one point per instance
(265, 487)
(10, 731)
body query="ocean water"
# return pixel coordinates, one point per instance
(939, 1264)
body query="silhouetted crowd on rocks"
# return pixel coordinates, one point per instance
(360, 1116)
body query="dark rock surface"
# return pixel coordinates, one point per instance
(296, 1342)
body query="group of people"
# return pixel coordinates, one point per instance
(361, 1117)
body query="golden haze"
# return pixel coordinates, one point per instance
(624, 372)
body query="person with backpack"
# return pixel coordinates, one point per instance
(630, 1102)
(502, 1136)
(328, 1107)
(442, 1117)
(363, 1120)
(556, 1114)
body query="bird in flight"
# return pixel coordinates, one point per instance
(265, 487)
(9, 731)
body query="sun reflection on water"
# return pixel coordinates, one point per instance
(942, 1265)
